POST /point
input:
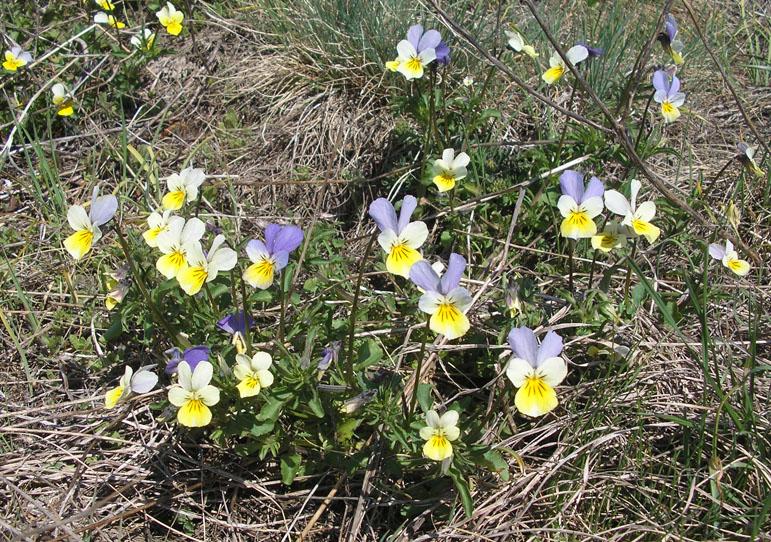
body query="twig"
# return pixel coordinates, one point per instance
(723, 74)
(514, 77)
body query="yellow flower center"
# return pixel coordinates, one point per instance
(444, 181)
(535, 388)
(667, 108)
(265, 270)
(79, 243)
(578, 219)
(607, 241)
(400, 252)
(174, 200)
(177, 259)
(448, 314)
(414, 64)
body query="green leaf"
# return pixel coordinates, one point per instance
(496, 463)
(424, 396)
(369, 354)
(316, 407)
(270, 410)
(463, 490)
(290, 464)
(345, 430)
(259, 429)
(115, 330)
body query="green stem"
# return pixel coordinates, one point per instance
(591, 269)
(175, 337)
(565, 126)
(354, 306)
(211, 297)
(642, 127)
(628, 280)
(282, 319)
(244, 303)
(419, 368)
(571, 249)
(432, 110)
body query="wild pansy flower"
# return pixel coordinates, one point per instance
(63, 100)
(235, 324)
(253, 373)
(421, 42)
(443, 299)
(205, 267)
(171, 19)
(183, 188)
(103, 18)
(329, 355)
(411, 63)
(86, 226)
(613, 236)
(116, 291)
(450, 168)
(140, 382)
(193, 394)
(157, 223)
(272, 255)
(439, 432)
(638, 219)
(593, 51)
(354, 404)
(579, 206)
(176, 243)
(106, 5)
(535, 370)
(672, 46)
(747, 157)
(117, 284)
(513, 301)
(144, 40)
(468, 81)
(576, 54)
(517, 42)
(16, 58)
(192, 356)
(668, 95)
(400, 239)
(729, 257)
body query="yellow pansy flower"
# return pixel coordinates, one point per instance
(439, 432)
(193, 394)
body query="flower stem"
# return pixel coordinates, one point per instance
(565, 126)
(349, 379)
(642, 126)
(591, 269)
(175, 337)
(245, 304)
(571, 249)
(419, 368)
(211, 297)
(628, 280)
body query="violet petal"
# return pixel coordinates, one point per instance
(523, 344)
(287, 239)
(382, 212)
(452, 276)
(424, 276)
(551, 347)
(572, 184)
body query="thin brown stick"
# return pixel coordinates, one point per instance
(623, 138)
(723, 74)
